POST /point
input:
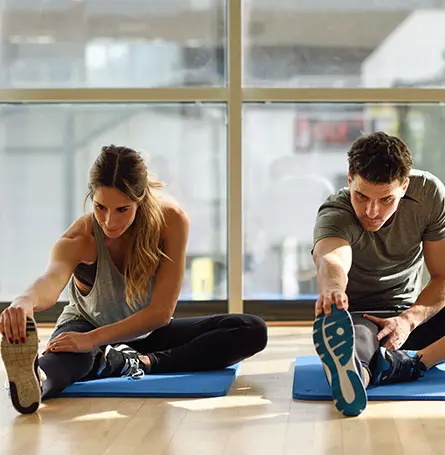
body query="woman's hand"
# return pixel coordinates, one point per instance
(13, 320)
(71, 342)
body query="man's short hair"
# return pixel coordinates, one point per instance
(380, 158)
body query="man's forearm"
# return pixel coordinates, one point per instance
(331, 274)
(430, 301)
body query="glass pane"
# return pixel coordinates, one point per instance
(45, 155)
(344, 43)
(295, 155)
(119, 43)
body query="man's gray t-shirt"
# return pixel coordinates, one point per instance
(387, 264)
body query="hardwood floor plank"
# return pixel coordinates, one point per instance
(257, 417)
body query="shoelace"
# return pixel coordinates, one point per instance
(132, 368)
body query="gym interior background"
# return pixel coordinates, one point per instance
(244, 109)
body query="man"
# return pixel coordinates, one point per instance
(370, 243)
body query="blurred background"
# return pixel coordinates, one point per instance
(294, 153)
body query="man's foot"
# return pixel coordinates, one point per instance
(121, 360)
(21, 368)
(333, 337)
(390, 366)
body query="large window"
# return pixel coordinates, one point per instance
(45, 156)
(344, 43)
(303, 160)
(125, 43)
(245, 109)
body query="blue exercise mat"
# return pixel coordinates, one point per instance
(310, 383)
(200, 384)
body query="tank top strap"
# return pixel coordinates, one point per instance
(98, 233)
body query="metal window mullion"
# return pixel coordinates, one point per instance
(344, 95)
(113, 95)
(235, 173)
(390, 95)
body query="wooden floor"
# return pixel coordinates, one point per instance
(257, 417)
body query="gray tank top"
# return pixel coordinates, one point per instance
(105, 303)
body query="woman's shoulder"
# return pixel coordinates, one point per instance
(172, 211)
(82, 227)
(81, 231)
(175, 217)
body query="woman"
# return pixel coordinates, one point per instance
(124, 265)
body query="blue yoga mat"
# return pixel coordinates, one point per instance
(310, 384)
(200, 384)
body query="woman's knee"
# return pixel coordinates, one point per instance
(254, 330)
(261, 332)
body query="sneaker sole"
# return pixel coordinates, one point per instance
(20, 363)
(333, 337)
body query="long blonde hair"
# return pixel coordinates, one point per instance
(126, 170)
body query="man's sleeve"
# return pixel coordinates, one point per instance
(333, 220)
(435, 229)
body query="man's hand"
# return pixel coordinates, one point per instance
(328, 298)
(71, 342)
(397, 329)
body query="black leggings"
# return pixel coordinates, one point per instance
(185, 344)
(366, 343)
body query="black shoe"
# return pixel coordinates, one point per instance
(22, 370)
(390, 366)
(121, 360)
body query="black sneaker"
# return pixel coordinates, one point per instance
(390, 366)
(22, 370)
(121, 360)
